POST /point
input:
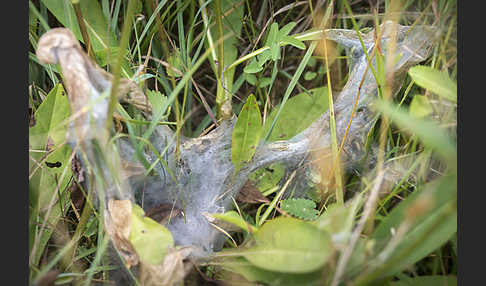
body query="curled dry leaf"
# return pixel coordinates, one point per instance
(117, 223)
(170, 272)
(83, 77)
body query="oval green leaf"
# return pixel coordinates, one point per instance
(289, 245)
(246, 133)
(149, 238)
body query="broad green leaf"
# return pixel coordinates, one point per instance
(255, 274)
(235, 219)
(289, 245)
(430, 229)
(292, 119)
(427, 131)
(50, 119)
(42, 190)
(434, 80)
(300, 208)
(432, 280)
(246, 133)
(420, 106)
(50, 128)
(150, 239)
(267, 177)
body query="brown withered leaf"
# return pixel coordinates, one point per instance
(82, 75)
(250, 194)
(170, 272)
(117, 223)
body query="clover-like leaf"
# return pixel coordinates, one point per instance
(301, 208)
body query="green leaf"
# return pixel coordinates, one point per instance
(156, 98)
(430, 229)
(420, 106)
(246, 133)
(264, 57)
(150, 239)
(294, 42)
(235, 219)
(436, 81)
(272, 37)
(250, 78)
(310, 75)
(51, 120)
(267, 177)
(253, 67)
(292, 120)
(289, 245)
(265, 81)
(273, 41)
(255, 274)
(300, 208)
(432, 280)
(286, 29)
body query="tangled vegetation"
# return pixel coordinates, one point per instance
(164, 106)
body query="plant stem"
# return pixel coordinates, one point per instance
(117, 68)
